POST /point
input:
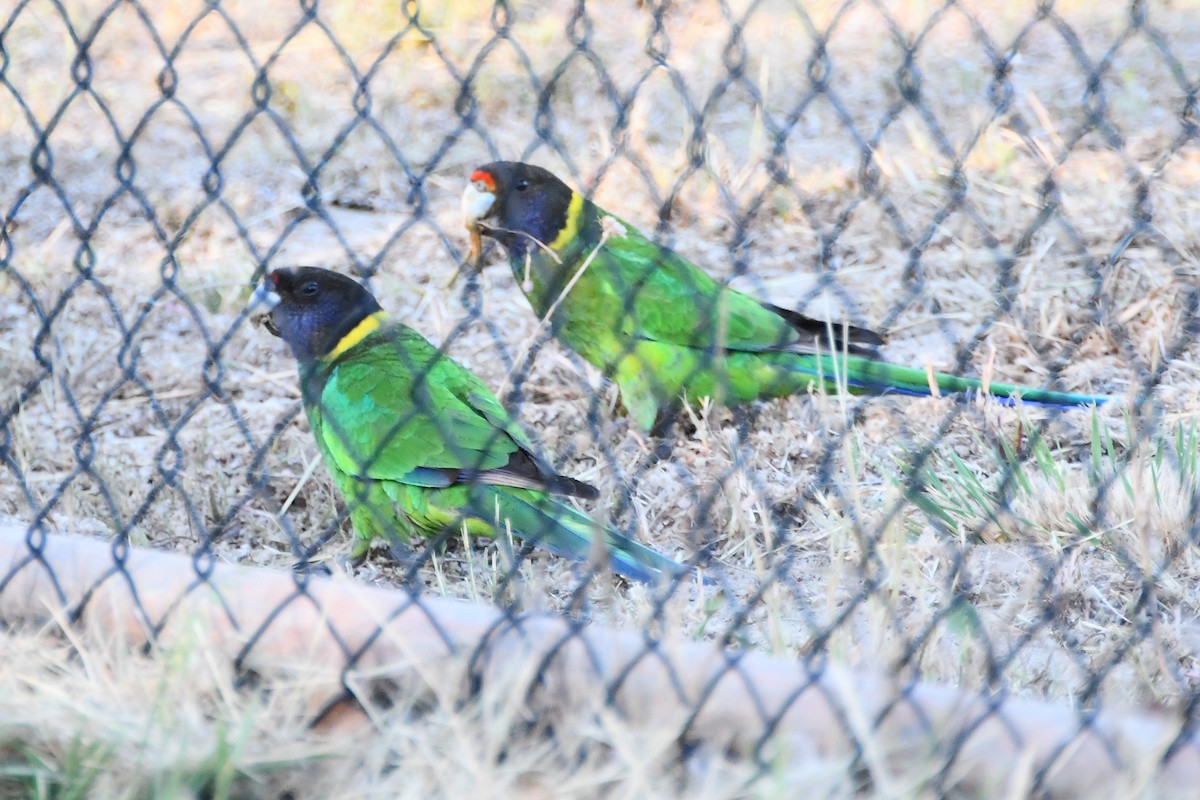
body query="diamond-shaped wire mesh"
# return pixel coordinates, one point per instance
(1005, 190)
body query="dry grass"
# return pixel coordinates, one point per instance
(1051, 586)
(180, 725)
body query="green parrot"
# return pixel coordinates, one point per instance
(664, 329)
(416, 442)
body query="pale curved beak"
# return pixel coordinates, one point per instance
(477, 203)
(267, 298)
(264, 295)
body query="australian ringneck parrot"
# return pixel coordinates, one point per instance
(416, 442)
(664, 329)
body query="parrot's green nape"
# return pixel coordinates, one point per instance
(417, 444)
(662, 328)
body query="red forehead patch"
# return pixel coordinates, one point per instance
(274, 276)
(486, 177)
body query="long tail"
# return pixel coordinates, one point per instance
(878, 377)
(536, 516)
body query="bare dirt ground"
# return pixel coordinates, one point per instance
(1065, 572)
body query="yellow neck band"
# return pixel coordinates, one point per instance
(571, 227)
(362, 330)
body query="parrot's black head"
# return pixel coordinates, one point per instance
(312, 309)
(511, 202)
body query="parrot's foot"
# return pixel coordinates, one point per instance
(663, 448)
(359, 552)
(312, 568)
(664, 423)
(660, 439)
(404, 555)
(440, 541)
(408, 563)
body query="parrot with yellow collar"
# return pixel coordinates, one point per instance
(662, 328)
(416, 443)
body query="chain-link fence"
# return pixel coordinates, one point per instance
(1004, 191)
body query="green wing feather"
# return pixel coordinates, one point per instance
(653, 321)
(396, 420)
(411, 408)
(675, 302)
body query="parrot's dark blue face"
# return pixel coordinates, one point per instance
(312, 309)
(512, 202)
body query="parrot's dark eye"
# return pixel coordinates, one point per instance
(522, 185)
(309, 289)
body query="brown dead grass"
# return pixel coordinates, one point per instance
(855, 551)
